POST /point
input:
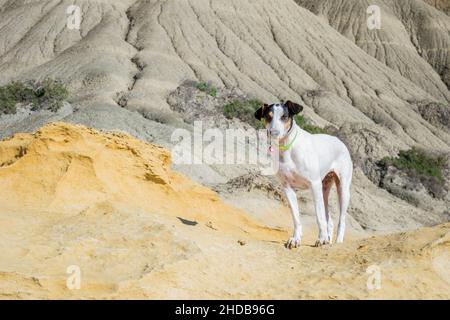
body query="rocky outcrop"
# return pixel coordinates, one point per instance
(443, 5)
(437, 114)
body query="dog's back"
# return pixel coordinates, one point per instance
(331, 153)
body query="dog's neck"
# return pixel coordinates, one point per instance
(292, 133)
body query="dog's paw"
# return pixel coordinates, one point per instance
(320, 242)
(293, 242)
(330, 238)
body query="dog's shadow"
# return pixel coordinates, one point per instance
(191, 223)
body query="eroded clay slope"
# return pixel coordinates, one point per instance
(443, 5)
(137, 52)
(413, 38)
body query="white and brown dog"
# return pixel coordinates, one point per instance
(314, 161)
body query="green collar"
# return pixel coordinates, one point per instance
(288, 146)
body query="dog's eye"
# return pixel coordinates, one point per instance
(284, 117)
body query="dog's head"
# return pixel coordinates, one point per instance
(279, 117)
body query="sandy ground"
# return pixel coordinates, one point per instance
(110, 205)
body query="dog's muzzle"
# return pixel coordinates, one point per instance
(274, 132)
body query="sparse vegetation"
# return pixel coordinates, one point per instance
(244, 110)
(45, 94)
(207, 88)
(420, 166)
(302, 123)
(419, 162)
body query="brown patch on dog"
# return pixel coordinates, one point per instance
(328, 180)
(327, 183)
(288, 124)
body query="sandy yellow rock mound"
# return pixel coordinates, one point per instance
(68, 169)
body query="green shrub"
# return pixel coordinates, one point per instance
(207, 88)
(302, 123)
(49, 94)
(244, 110)
(45, 94)
(11, 94)
(7, 102)
(419, 163)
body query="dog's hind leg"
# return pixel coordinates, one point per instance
(327, 184)
(316, 187)
(343, 189)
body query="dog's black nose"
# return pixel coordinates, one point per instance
(274, 132)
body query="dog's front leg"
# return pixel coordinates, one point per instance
(320, 213)
(295, 240)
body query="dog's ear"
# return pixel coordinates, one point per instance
(294, 108)
(260, 112)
